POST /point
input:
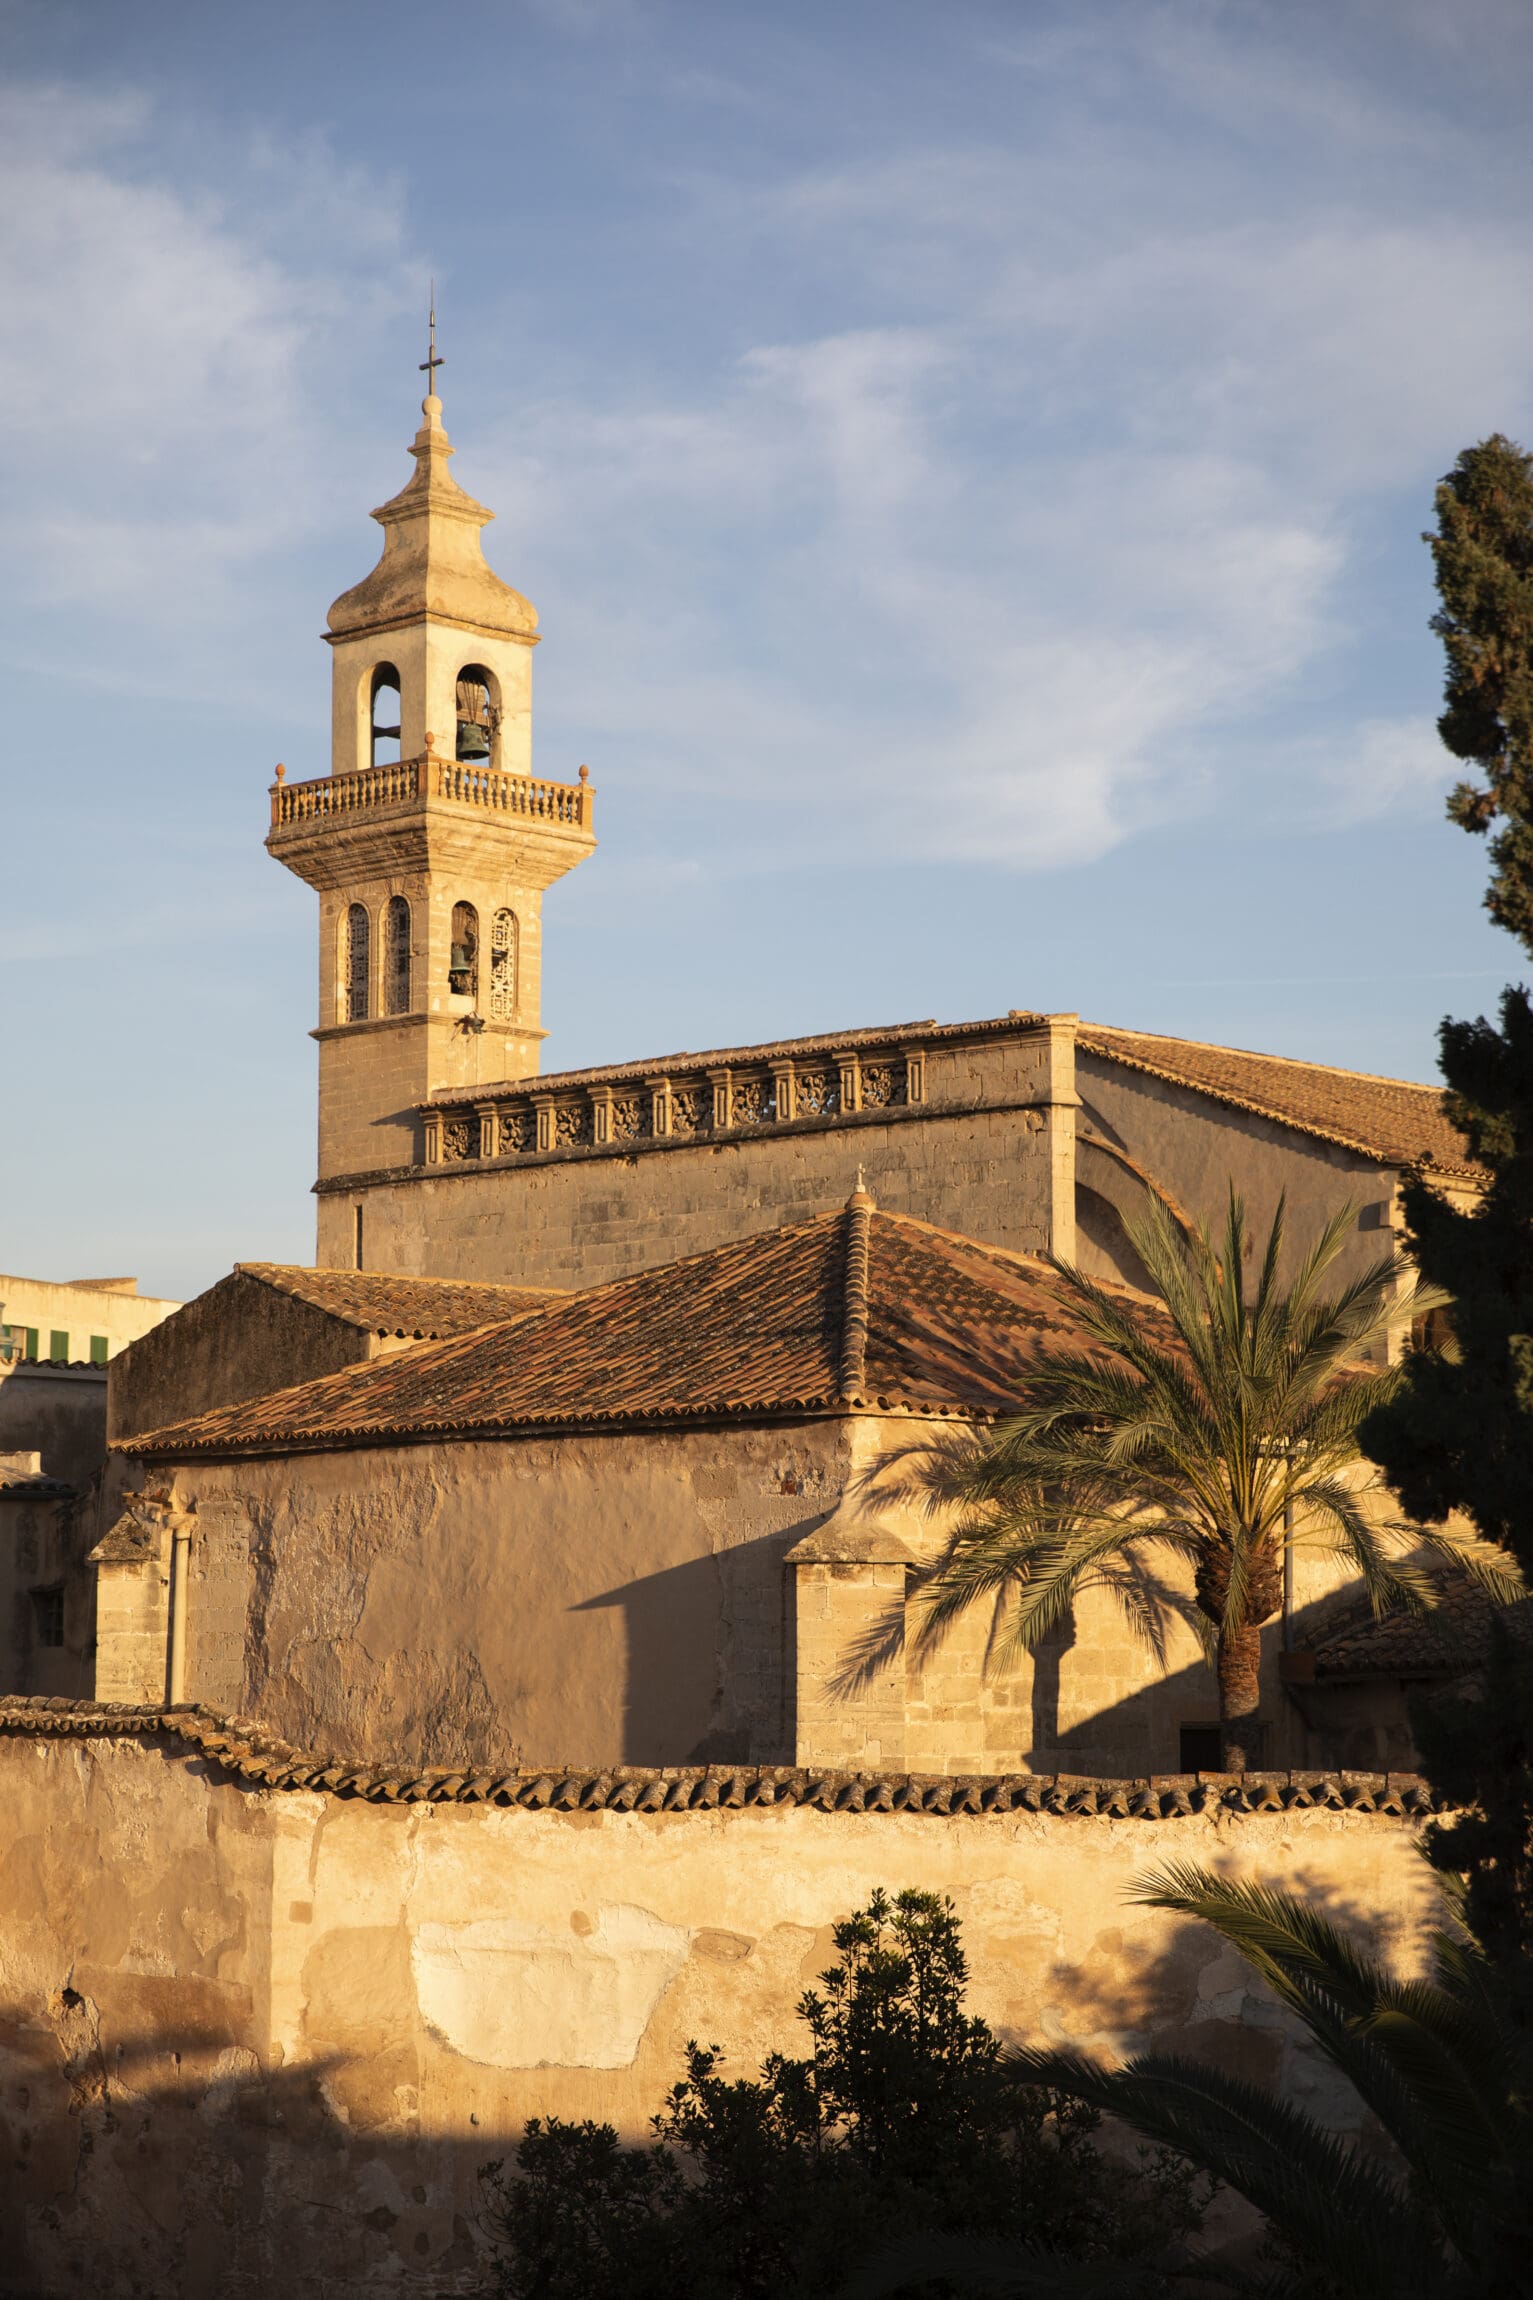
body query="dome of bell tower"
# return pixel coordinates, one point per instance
(433, 563)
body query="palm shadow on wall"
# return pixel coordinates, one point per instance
(707, 1655)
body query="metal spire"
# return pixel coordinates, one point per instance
(431, 362)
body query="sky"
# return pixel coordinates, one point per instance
(970, 464)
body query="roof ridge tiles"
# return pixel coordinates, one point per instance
(245, 1749)
(1256, 1054)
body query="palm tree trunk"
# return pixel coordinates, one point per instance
(1240, 1696)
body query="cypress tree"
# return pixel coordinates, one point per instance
(1459, 1434)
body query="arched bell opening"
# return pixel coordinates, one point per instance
(356, 956)
(478, 708)
(384, 718)
(463, 952)
(396, 956)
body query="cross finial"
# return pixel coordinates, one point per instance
(431, 363)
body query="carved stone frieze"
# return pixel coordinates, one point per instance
(572, 1125)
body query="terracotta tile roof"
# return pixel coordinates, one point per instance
(248, 1751)
(851, 1307)
(377, 1302)
(1386, 1118)
(1454, 1638)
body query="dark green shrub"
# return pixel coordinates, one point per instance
(904, 2116)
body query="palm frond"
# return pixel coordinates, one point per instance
(1325, 2199)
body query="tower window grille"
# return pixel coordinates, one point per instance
(463, 953)
(358, 950)
(397, 947)
(503, 966)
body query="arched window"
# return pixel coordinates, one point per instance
(358, 952)
(384, 717)
(396, 963)
(463, 957)
(478, 714)
(503, 966)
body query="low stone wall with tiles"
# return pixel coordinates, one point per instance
(266, 2013)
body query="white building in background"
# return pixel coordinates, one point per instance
(73, 1321)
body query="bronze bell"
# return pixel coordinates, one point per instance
(473, 740)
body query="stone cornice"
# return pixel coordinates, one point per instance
(244, 1750)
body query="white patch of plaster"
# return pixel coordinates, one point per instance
(514, 1995)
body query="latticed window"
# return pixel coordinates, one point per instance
(396, 979)
(463, 954)
(503, 966)
(358, 951)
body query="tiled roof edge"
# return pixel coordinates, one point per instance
(170, 1444)
(1089, 1042)
(247, 1751)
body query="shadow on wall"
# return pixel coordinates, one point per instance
(705, 1656)
(149, 2157)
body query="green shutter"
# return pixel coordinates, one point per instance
(98, 1349)
(58, 1347)
(31, 1334)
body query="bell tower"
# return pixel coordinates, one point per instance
(430, 842)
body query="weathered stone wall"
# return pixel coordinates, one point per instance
(629, 1598)
(256, 2042)
(606, 1599)
(58, 1412)
(241, 1339)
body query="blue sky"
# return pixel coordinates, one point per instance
(970, 463)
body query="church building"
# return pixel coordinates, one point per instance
(570, 1448)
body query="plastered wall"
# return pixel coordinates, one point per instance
(630, 1599)
(258, 2042)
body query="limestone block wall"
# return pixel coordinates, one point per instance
(259, 2039)
(574, 1219)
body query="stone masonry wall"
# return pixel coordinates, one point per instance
(257, 2041)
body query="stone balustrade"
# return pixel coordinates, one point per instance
(432, 778)
(601, 1115)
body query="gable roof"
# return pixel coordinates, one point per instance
(855, 1308)
(1386, 1118)
(1454, 1637)
(377, 1302)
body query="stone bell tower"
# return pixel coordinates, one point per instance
(429, 842)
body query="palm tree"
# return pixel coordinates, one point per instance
(1221, 1426)
(1437, 2061)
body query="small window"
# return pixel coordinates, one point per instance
(477, 715)
(503, 966)
(385, 721)
(396, 978)
(98, 1349)
(1202, 1749)
(1433, 1330)
(48, 1615)
(358, 949)
(357, 1241)
(463, 956)
(58, 1347)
